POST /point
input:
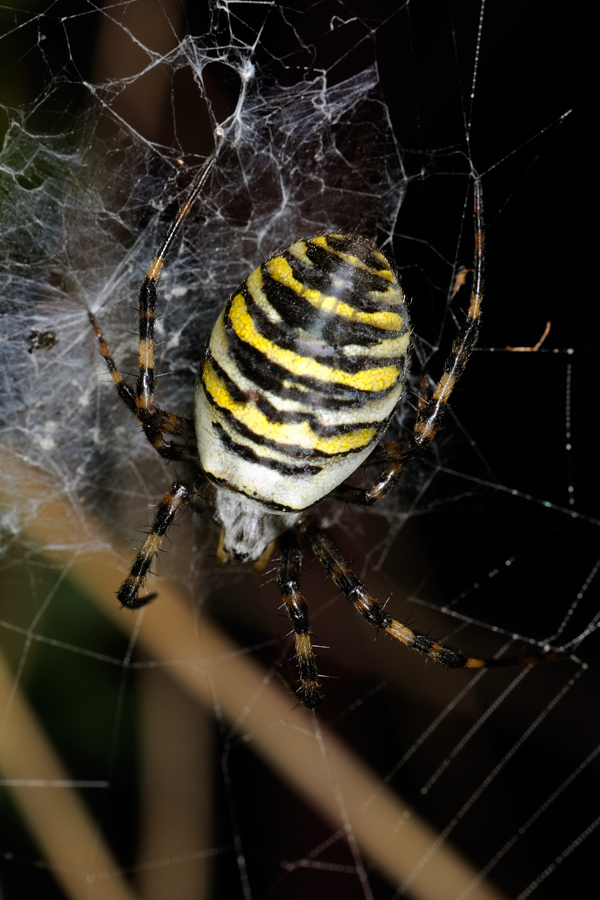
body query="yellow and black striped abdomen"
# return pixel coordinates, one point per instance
(303, 369)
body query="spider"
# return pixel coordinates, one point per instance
(301, 374)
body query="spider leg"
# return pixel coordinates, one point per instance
(355, 592)
(288, 581)
(430, 413)
(169, 449)
(156, 421)
(177, 495)
(125, 392)
(144, 394)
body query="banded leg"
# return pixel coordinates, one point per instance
(163, 422)
(288, 581)
(125, 392)
(155, 421)
(177, 495)
(355, 592)
(144, 395)
(399, 452)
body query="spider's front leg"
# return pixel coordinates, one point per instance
(372, 612)
(356, 593)
(288, 581)
(177, 495)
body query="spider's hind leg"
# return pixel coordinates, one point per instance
(125, 392)
(397, 453)
(154, 421)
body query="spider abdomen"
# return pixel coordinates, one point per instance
(303, 369)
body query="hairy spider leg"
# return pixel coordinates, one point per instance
(155, 422)
(430, 413)
(144, 395)
(355, 592)
(289, 566)
(178, 495)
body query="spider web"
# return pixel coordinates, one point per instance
(161, 754)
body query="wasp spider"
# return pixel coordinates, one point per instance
(300, 377)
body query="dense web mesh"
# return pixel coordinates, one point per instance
(162, 753)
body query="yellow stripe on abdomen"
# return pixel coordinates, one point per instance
(297, 434)
(370, 380)
(280, 271)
